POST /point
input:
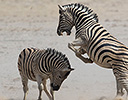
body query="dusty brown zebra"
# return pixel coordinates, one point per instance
(93, 39)
(39, 65)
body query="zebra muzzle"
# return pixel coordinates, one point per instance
(55, 87)
(60, 33)
(68, 32)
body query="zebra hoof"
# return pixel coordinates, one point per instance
(90, 61)
(39, 99)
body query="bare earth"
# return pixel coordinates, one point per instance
(33, 23)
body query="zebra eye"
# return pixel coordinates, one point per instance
(60, 77)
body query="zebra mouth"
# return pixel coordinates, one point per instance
(60, 33)
(68, 32)
(55, 88)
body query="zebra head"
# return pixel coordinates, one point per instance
(65, 21)
(58, 77)
(74, 15)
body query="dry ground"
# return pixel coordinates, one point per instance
(33, 23)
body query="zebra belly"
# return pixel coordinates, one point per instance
(32, 75)
(104, 65)
(28, 64)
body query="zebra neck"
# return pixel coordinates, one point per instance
(82, 28)
(51, 61)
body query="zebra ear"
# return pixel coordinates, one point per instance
(96, 17)
(72, 69)
(61, 8)
(67, 69)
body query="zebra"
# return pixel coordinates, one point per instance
(39, 65)
(92, 38)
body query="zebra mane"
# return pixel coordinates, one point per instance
(60, 55)
(82, 8)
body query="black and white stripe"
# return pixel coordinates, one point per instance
(101, 47)
(39, 65)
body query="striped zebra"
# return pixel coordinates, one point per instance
(93, 39)
(39, 65)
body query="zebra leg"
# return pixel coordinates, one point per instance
(46, 91)
(77, 42)
(78, 54)
(81, 50)
(85, 60)
(122, 81)
(25, 86)
(120, 91)
(52, 93)
(40, 87)
(70, 46)
(77, 51)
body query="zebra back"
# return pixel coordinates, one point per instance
(32, 60)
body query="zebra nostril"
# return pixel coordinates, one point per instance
(68, 32)
(58, 32)
(56, 88)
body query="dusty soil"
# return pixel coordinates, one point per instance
(33, 23)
